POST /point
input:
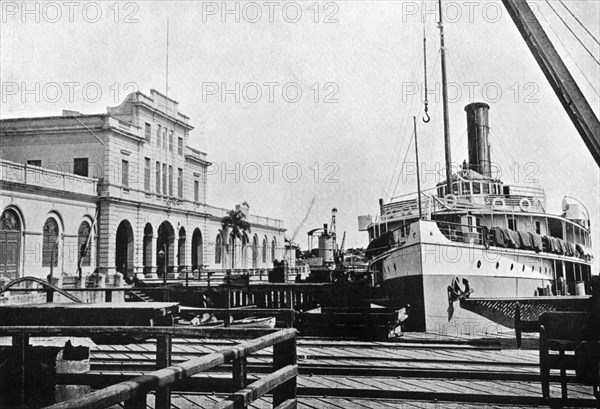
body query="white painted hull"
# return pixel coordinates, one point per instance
(420, 272)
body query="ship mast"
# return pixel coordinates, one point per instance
(445, 105)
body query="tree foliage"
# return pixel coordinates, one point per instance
(236, 220)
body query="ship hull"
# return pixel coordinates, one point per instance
(433, 276)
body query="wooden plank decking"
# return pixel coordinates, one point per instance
(418, 371)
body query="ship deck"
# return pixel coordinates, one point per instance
(419, 370)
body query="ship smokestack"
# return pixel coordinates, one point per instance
(479, 144)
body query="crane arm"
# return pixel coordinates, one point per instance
(557, 73)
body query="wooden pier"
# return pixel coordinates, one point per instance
(419, 370)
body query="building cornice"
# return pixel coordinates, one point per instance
(55, 193)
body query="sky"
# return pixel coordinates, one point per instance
(303, 106)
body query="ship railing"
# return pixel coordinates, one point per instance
(462, 233)
(432, 204)
(536, 204)
(407, 208)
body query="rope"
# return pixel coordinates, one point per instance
(570, 55)
(572, 32)
(403, 162)
(579, 21)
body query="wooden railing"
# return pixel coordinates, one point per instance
(133, 393)
(299, 297)
(51, 291)
(44, 286)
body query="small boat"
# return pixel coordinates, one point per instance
(255, 322)
(208, 320)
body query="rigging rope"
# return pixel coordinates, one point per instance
(403, 162)
(570, 55)
(572, 32)
(405, 116)
(579, 21)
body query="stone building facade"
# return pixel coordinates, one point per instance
(131, 176)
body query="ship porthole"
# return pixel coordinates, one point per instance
(479, 264)
(497, 265)
(512, 266)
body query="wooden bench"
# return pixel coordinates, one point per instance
(587, 355)
(522, 326)
(560, 334)
(528, 310)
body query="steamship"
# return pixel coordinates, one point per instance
(475, 236)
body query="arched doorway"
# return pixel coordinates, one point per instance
(10, 244)
(218, 249)
(197, 253)
(231, 245)
(255, 251)
(147, 249)
(124, 249)
(245, 242)
(165, 243)
(181, 250)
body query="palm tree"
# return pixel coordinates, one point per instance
(236, 220)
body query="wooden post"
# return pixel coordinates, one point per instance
(240, 374)
(139, 402)
(284, 353)
(518, 324)
(563, 374)
(163, 360)
(49, 295)
(19, 344)
(544, 364)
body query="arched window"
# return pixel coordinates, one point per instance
(49, 243)
(273, 245)
(83, 243)
(264, 251)
(218, 250)
(10, 244)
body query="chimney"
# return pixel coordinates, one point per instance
(325, 229)
(479, 144)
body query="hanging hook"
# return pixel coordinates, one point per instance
(427, 118)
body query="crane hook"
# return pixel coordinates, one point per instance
(427, 118)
